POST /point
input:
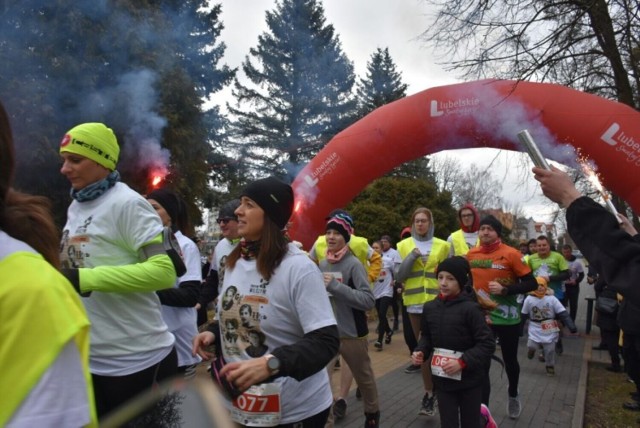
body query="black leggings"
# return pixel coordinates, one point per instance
(407, 331)
(509, 336)
(460, 408)
(113, 391)
(382, 306)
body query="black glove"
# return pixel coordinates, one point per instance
(73, 276)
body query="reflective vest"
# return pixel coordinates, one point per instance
(359, 247)
(460, 246)
(32, 282)
(421, 286)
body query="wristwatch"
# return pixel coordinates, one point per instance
(273, 364)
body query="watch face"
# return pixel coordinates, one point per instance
(273, 363)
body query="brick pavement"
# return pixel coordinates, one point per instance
(546, 401)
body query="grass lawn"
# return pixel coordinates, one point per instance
(606, 392)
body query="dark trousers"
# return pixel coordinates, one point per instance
(394, 306)
(407, 331)
(113, 391)
(509, 336)
(460, 408)
(382, 306)
(631, 352)
(571, 297)
(610, 339)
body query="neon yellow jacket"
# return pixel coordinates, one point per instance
(40, 313)
(421, 286)
(460, 246)
(360, 248)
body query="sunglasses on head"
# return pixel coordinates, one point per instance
(224, 220)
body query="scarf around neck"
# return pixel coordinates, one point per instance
(97, 189)
(338, 255)
(249, 249)
(490, 248)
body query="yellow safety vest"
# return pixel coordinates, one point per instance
(460, 246)
(421, 286)
(42, 314)
(360, 248)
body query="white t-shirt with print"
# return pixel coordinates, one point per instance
(182, 322)
(382, 286)
(292, 303)
(128, 333)
(541, 309)
(220, 253)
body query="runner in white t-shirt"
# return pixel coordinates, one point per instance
(281, 380)
(113, 254)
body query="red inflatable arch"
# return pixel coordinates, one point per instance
(486, 113)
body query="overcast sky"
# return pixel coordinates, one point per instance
(362, 26)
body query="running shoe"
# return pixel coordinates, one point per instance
(340, 408)
(413, 369)
(514, 408)
(428, 405)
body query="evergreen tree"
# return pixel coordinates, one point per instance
(383, 84)
(300, 95)
(140, 67)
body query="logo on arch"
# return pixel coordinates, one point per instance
(614, 136)
(457, 106)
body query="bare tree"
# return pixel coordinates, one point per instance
(591, 45)
(447, 171)
(467, 183)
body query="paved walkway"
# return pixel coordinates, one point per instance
(546, 401)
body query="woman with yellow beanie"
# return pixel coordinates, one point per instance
(113, 254)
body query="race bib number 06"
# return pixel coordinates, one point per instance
(440, 358)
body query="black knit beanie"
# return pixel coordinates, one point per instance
(169, 202)
(274, 197)
(458, 267)
(493, 222)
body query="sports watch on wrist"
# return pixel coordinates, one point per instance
(273, 364)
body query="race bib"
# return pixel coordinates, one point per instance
(549, 326)
(440, 358)
(259, 406)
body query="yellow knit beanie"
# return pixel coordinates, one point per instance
(94, 141)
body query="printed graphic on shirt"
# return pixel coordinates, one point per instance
(221, 267)
(542, 312)
(72, 254)
(240, 321)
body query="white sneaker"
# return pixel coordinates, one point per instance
(513, 407)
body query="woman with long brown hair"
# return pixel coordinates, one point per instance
(45, 330)
(289, 306)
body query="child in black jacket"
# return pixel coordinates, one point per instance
(453, 328)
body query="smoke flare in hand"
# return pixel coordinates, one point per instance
(591, 175)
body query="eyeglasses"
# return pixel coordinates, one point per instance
(466, 215)
(224, 220)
